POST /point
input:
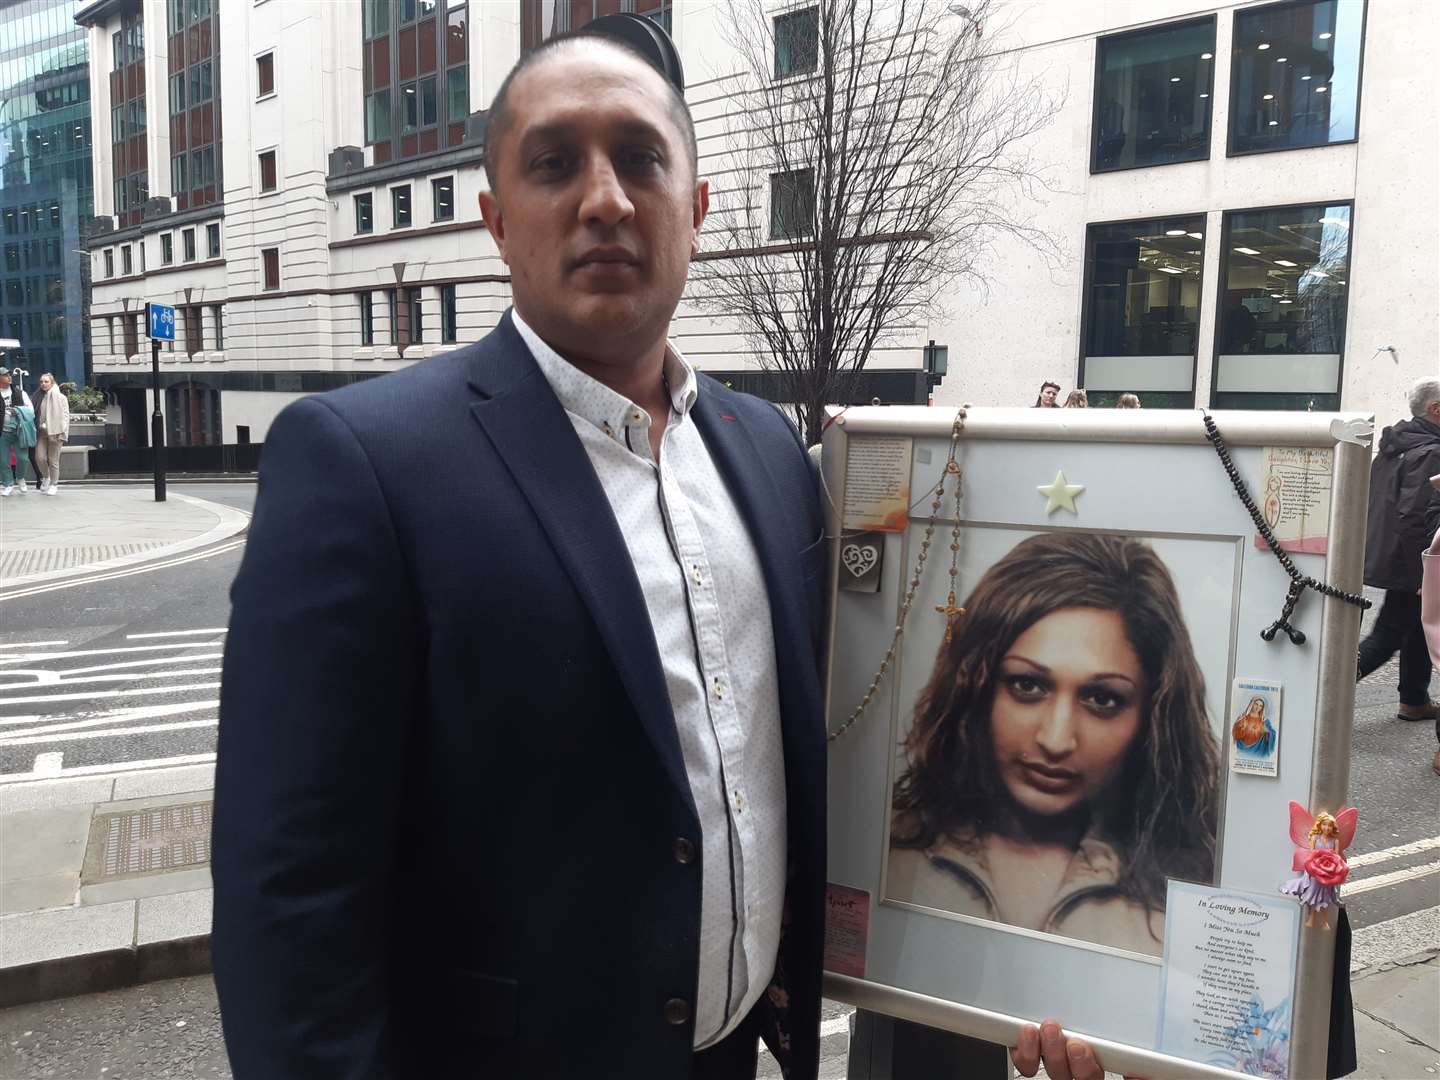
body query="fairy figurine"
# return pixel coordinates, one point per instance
(1320, 842)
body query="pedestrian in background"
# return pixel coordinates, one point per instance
(35, 469)
(1077, 400)
(12, 443)
(1048, 393)
(1128, 401)
(1395, 539)
(52, 429)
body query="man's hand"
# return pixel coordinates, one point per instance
(1065, 1059)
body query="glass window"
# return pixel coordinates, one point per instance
(393, 307)
(429, 106)
(1282, 307)
(265, 74)
(367, 318)
(1295, 75)
(126, 265)
(212, 241)
(187, 239)
(1142, 309)
(1152, 96)
(376, 17)
(457, 94)
(659, 13)
(167, 248)
(270, 258)
(377, 117)
(442, 198)
(792, 204)
(407, 11)
(400, 205)
(364, 213)
(217, 312)
(117, 124)
(177, 94)
(447, 313)
(267, 171)
(417, 321)
(109, 264)
(409, 107)
(797, 42)
(117, 51)
(178, 174)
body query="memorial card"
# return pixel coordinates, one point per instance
(1295, 497)
(877, 484)
(1228, 978)
(1255, 733)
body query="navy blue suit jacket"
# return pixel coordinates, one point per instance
(450, 791)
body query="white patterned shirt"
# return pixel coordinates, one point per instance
(710, 615)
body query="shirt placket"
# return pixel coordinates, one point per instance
(715, 672)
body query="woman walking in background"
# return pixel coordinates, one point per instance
(52, 424)
(1077, 400)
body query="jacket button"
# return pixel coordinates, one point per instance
(677, 1011)
(683, 850)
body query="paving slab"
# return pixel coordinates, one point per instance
(136, 888)
(36, 794)
(168, 918)
(38, 893)
(35, 843)
(78, 931)
(1382, 1053)
(1405, 997)
(158, 782)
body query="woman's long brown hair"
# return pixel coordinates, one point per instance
(1161, 811)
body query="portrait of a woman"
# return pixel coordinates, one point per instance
(1061, 764)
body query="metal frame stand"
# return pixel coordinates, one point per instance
(883, 1048)
(157, 422)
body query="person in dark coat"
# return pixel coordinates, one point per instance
(1396, 535)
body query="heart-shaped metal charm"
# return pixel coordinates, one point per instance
(859, 559)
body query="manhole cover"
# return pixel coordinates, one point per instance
(135, 842)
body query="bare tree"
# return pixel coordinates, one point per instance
(878, 151)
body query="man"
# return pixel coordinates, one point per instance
(12, 398)
(521, 767)
(1395, 538)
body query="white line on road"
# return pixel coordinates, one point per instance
(106, 652)
(115, 716)
(48, 764)
(143, 765)
(1383, 881)
(175, 633)
(123, 676)
(1397, 852)
(111, 732)
(29, 644)
(42, 699)
(70, 583)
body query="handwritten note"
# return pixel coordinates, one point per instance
(847, 928)
(1295, 498)
(877, 483)
(1228, 978)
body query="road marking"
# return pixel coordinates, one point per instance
(106, 652)
(29, 644)
(41, 699)
(48, 764)
(111, 732)
(1395, 877)
(115, 716)
(145, 568)
(176, 633)
(122, 676)
(142, 765)
(1397, 852)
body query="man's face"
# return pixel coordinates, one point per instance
(597, 210)
(1432, 412)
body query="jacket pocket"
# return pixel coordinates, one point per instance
(483, 1005)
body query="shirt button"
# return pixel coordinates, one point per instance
(677, 1011)
(637, 417)
(739, 803)
(719, 690)
(683, 850)
(698, 579)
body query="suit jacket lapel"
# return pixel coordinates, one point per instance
(532, 434)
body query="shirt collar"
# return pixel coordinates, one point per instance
(593, 401)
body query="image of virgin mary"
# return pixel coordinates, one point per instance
(1253, 733)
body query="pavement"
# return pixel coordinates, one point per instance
(88, 529)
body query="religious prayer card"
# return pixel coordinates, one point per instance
(1295, 497)
(877, 483)
(1228, 978)
(1255, 727)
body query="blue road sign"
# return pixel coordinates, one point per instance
(161, 320)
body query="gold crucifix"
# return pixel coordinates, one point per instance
(951, 612)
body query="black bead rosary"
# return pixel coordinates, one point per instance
(1298, 582)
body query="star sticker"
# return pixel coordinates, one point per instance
(1060, 494)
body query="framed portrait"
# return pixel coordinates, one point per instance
(1052, 709)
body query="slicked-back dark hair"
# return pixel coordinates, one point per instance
(500, 119)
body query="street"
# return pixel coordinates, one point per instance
(126, 669)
